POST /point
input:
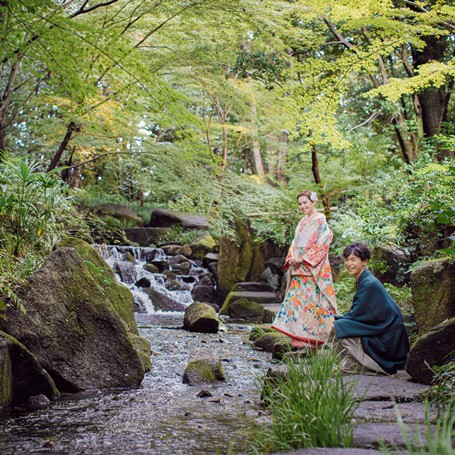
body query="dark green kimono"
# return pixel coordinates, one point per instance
(377, 320)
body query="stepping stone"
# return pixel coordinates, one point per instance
(336, 451)
(383, 388)
(252, 286)
(255, 296)
(371, 435)
(386, 411)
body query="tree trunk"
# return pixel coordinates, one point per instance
(408, 146)
(283, 151)
(6, 98)
(58, 154)
(318, 180)
(433, 101)
(256, 149)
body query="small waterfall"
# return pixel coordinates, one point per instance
(151, 274)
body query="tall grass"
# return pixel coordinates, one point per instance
(310, 406)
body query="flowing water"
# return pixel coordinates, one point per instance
(163, 416)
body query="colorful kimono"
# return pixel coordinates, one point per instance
(377, 320)
(308, 309)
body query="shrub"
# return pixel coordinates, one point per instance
(35, 212)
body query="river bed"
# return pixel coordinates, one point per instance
(163, 416)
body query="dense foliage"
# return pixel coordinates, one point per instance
(230, 108)
(35, 212)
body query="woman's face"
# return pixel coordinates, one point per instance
(355, 265)
(305, 205)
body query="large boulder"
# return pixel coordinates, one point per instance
(434, 348)
(119, 212)
(433, 293)
(203, 290)
(78, 322)
(242, 259)
(200, 317)
(162, 302)
(146, 236)
(169, 218)
(394, 265)
(202, 245)
(22, 376)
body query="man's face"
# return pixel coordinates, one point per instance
(354, 265)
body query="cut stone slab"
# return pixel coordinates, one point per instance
(252, 286)
(386, 411)
(370, 435)
(257, 296)
(336, 451)
(384, 388)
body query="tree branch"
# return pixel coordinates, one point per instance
(341, 39)
(366, 122)
(82, 9)
(58, 154)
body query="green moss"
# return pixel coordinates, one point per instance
(142, 347)
(201, 371)
(97, 268)
(244, 308)
(225, 308)
(6, 376)
(268, 341)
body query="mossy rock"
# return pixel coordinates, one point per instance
(117, 294)
(78, 321)
(118, 215)
(200, 317)
(434, 348)
(433, 293)
(203, 367)
(6, 375)
(245, 309)
(21, 375)
(202, 245)
(142, 346)
(268, 341)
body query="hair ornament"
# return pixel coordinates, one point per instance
(313, 197)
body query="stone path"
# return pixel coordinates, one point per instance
(382, 401)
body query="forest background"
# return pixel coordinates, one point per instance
(227, 109)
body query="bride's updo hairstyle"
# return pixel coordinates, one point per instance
(311, 195)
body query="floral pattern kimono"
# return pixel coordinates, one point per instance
(308, 309)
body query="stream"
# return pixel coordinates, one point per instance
(162, 416)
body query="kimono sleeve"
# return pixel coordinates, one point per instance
(318, 246)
